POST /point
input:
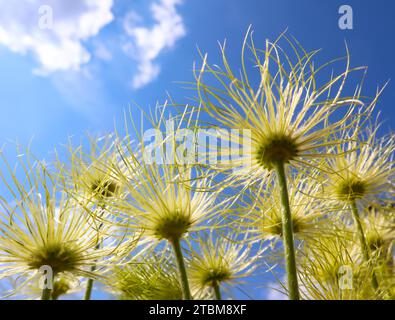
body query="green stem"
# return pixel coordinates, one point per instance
(89, 285)
(217, 291)
(47, 292)
(288, 238)
(182, 270)
(362, 240)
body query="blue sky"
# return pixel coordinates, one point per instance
(72, 102)
(106, 57)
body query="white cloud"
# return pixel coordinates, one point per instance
(57, 47)
(102, 52)
(147, 43)
(275, 291)
(275, 294)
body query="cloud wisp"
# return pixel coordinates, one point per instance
(145, 44)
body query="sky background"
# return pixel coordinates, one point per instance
(102, 56)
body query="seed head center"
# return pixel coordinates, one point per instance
(216, 275)
(277, 149)
(104, 189)
(172, 226)
(60, 257)
(352, 189)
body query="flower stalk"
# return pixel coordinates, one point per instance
(46, 294)
(47, 290)
(217, 291)
(89, 286)
(288, 238)
(362, 241)
(182, 269)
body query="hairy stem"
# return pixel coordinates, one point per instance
(186, 293)
(217, 291)
(362, 241)
(288, 238)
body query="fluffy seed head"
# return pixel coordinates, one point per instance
(60, 288)
(60, 257)
(331, 269)
(165, 200)
(287, 113)
(152, 278)
(277, 149)
(104, 188)
(89, 175)
(363, 169)
(263, 211)
(219, 261)
(173, 226)
(352, 189)
(41, 226)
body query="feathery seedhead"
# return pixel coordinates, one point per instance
(218, 261)
(152, 278)
(216, 276)
(104, 188)
(363, 168)
(288, 114)
(375, 241)
(60, 288)
(281, 149)
(263, 217)
(380, 231)
(352, 188)
(90, 177)
(165, 200)
(275, 226)
(172, 226)
(41, 226)
(331, 269)
(63, 284)
(59, 256)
